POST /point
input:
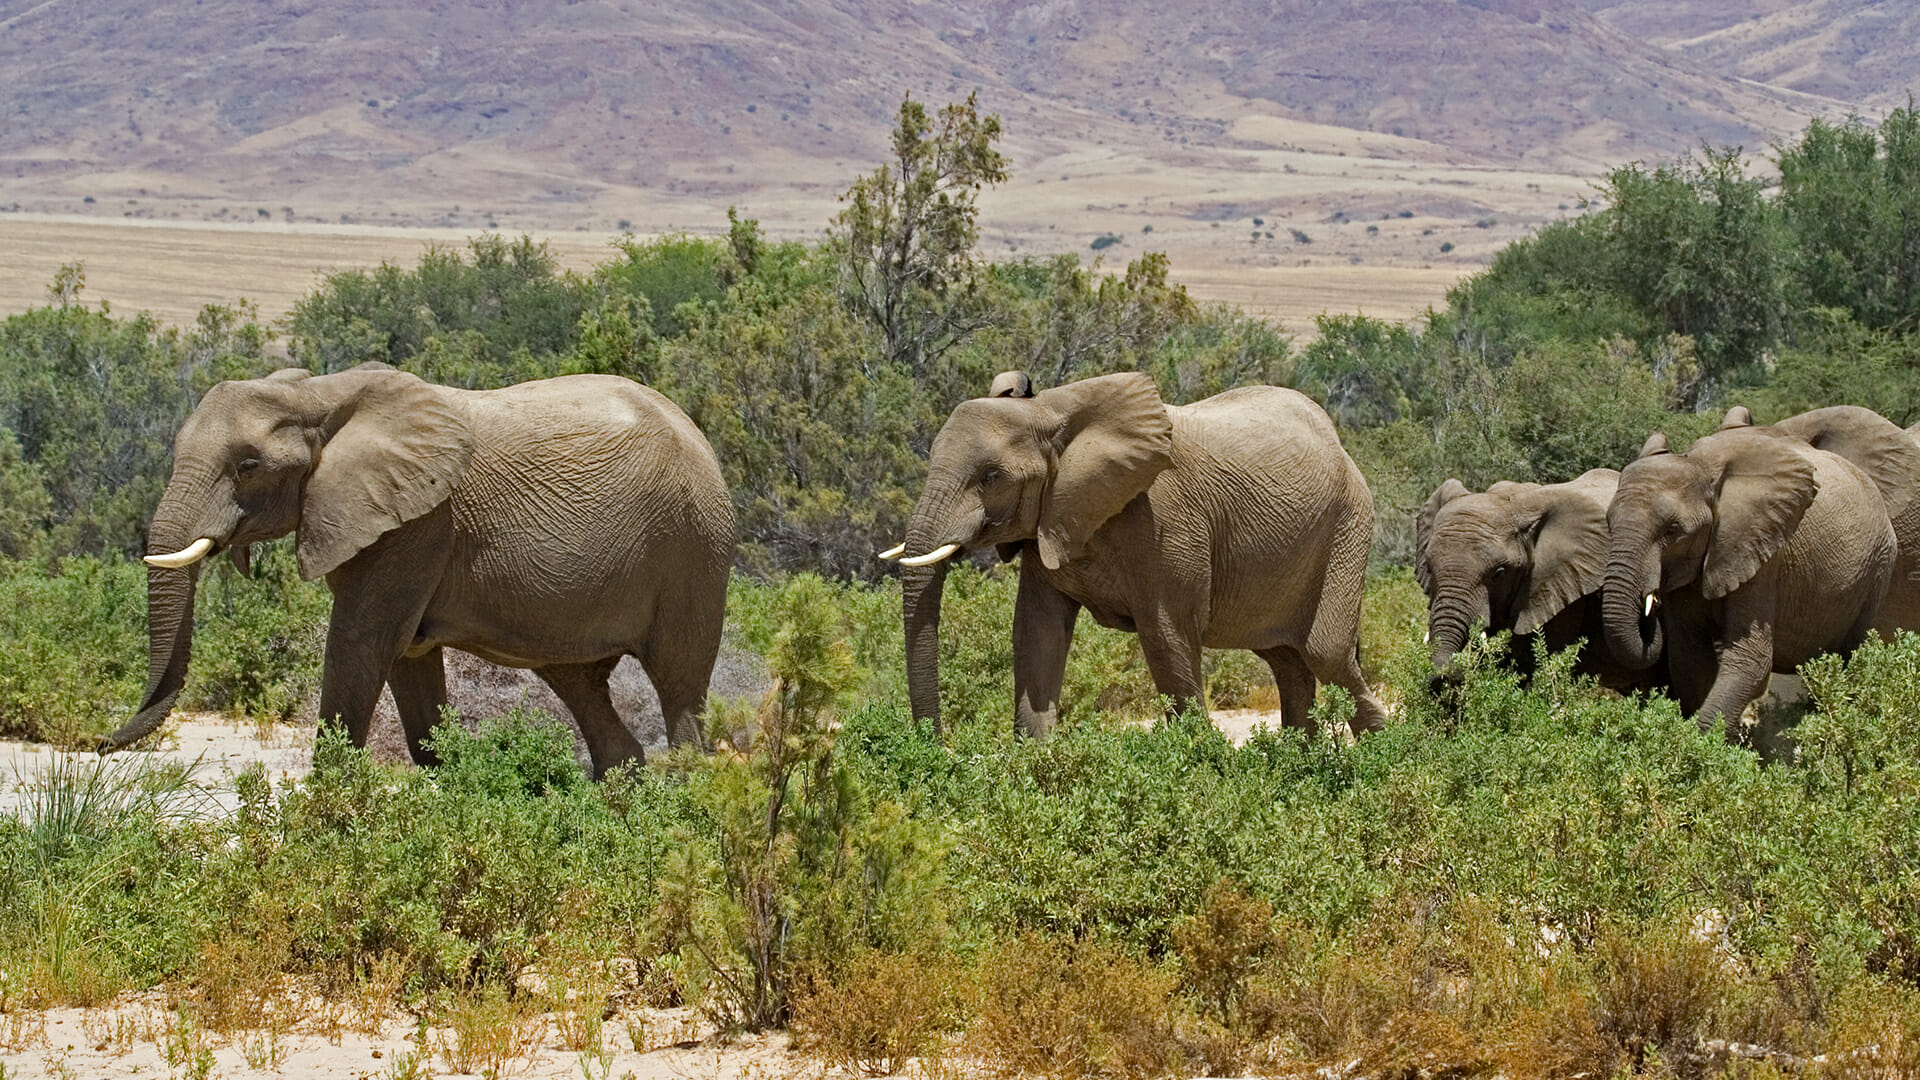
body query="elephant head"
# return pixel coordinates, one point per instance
(1510, 558)
(1003, 471)
(1707, 520)
(341, 459)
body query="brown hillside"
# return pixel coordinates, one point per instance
(575, 114)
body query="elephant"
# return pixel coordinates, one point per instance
(555, 525)
(1235, 522)
(1889, 456)
(1762, 552)
(1524, 558)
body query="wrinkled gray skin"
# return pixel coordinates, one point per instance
(1761, 551)
(554, 525)
(1523, 558)
(1236, 523)
(1890, 457)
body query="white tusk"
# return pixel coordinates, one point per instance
(1426, 637)
(186, 556)
(1649, 607)
(931, 557)
(893, 552)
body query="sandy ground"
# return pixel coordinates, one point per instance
(149, 1035)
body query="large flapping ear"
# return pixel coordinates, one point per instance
(1114, 438)
(1882, 449)
(1449, 490)
(1568, 538)
(1764, 485)
(392, 448)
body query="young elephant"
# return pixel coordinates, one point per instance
(1524, 558)
(1761, 551)
(554, 525)
(1237, 522)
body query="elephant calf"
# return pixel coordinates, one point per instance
(1523, 558)
(1237, 522)
(555, 525)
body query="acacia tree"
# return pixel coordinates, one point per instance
(909, 229)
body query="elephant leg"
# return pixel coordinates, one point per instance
(1344, 672)
(582, 688)
(419, 689)
(1745, 658)
(379, 597)
(1043, 619)
(681, 681)
(1295, 684)
(1172, 649)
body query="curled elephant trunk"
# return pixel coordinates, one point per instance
(1634, 634)
(177, 532)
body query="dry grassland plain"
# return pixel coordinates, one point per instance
(1301, 219)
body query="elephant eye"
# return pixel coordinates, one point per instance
(990, 475)
(1500, 570)
(246, 466)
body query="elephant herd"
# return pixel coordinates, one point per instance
(563, 524)
(1699, 573)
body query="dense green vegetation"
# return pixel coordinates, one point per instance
(1547, 881)
(1550, 880)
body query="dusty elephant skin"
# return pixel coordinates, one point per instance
(1237, 522)
(1890, 457)
(1748, 554)
(555, 525)
(1527, 559)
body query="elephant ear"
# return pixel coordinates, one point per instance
(1114, 438)
(1569, 543)
(1737, 417)
(1882, 449)
(1656, 444)
(393, 447)
(1764, 487)
(1449, 490)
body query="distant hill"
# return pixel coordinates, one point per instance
(1865, 53)
(382, 111)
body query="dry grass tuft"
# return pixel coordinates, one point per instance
(1056, 1008)
(887, 1009)
(489, 1032)
(1657, 987)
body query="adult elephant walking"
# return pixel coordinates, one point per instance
(1236, 522)
(554, 525)
(1761, 552)
(1890, 457)
(1523, 558)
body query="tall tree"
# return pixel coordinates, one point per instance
(908, 232)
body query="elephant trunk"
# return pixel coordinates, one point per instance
(170, 593)
(921, 591)
(1634, 635)
(942, 517)
(1453, 612)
